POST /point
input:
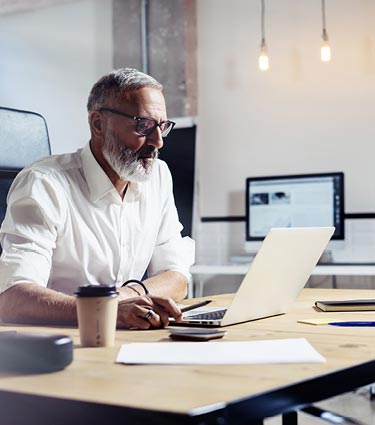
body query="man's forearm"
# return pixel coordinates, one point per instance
(168, 284)
(32, 304)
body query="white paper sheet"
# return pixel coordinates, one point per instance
(296, 350)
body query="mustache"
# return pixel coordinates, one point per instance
(148, 152)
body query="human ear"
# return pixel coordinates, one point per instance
(96, 125)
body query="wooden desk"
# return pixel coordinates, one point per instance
(95, 390)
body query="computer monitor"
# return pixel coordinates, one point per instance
(304, 200)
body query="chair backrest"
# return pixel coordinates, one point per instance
(23, 138)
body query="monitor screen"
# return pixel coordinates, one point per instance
(306, 200)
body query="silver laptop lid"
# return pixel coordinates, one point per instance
(279, 271)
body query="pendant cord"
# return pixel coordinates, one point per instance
(263, 13)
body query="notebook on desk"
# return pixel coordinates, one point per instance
(279, 271)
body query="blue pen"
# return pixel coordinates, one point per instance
(352, 323)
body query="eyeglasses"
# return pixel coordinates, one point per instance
(145, 125)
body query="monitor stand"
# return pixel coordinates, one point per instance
(245, 258)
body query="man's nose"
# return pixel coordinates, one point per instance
(154, 139)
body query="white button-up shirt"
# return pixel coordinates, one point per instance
(66, 225)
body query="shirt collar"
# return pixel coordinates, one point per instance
(99, 183)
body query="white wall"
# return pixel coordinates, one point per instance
(50, 58)
(302, 115)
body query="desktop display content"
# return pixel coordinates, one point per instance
(305, 200)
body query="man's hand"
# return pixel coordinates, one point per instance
(33, 304)
(127, 292)
(147, 312)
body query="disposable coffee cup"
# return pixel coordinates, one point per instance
(97, 307)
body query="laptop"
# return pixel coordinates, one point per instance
(277, 274)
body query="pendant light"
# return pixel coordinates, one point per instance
(325, 50)
(263, 57)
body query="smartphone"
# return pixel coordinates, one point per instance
(196, 334)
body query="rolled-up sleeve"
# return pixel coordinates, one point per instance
(172, 252)
(29, 231)
(176, 254)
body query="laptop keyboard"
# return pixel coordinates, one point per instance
(212, 315)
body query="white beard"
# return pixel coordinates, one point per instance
(126, 164)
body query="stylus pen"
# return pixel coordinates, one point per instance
(352, 323)
(193, 306)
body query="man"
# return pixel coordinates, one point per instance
(102, 215)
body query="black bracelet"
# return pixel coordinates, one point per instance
(136, 281)
(135, 290)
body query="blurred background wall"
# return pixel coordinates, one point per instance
(301, 116)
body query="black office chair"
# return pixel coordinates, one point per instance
(23, 139)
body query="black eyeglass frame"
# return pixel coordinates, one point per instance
(138, 119)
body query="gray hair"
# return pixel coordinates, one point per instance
(116, 82)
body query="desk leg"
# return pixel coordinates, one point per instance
(198, 286)
(334, 282)
(290, 418)
(372, 392)
(190, 291)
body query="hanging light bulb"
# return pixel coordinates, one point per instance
(264, 62)
(325, 50)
